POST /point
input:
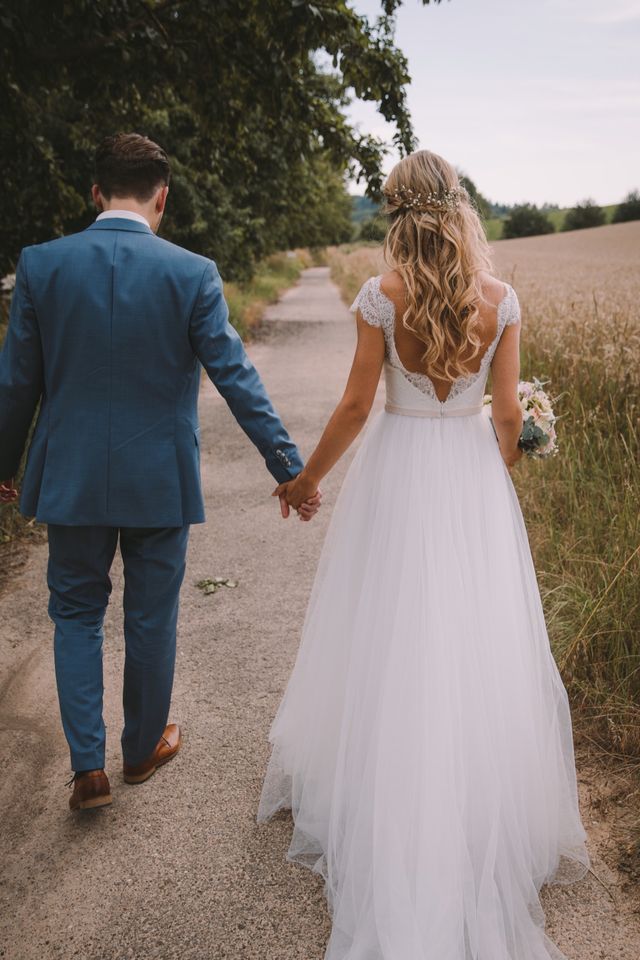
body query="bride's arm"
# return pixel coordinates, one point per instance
(506, 412)
(347, 419)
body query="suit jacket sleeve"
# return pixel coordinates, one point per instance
(21, 376)
(221, 352)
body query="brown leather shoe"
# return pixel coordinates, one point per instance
(168, 746)
(90, 789)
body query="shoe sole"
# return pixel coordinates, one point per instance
(94, 802)
(143, 777)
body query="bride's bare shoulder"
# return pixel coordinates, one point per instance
(493, 290)
(392, 285)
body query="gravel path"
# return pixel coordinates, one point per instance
(177, 867)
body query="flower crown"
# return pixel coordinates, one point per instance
(407, 199)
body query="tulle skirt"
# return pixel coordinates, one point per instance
(424, 741)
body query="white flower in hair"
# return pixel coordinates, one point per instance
(405, 198)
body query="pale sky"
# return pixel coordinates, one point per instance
(536, 100)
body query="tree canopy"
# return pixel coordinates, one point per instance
(246, 96)
(482, 205)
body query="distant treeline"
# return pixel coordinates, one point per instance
(528, 220)
(503, 221)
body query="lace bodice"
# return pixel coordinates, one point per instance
(379, 311)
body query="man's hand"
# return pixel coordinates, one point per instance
(302, 495)
(8, 491)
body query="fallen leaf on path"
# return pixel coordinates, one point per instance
(213, 584)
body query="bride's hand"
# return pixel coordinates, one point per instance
(302, 494)
(310, 507)
(511, 459)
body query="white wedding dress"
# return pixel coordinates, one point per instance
(424, 741)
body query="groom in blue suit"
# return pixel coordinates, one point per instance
(108, 330)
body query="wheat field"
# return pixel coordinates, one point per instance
(580, 296)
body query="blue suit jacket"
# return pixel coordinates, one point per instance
(108, 328)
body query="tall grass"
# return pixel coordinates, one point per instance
(581, 330)
(580, 296)
(247, 301)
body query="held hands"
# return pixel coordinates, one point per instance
(300, 493)
(8, 491)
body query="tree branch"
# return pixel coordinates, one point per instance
(76, 51)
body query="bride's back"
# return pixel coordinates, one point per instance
(411, 348)
(445, 299)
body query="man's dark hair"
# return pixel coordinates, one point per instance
(129, 165)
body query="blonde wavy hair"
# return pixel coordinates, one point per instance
(436, 243)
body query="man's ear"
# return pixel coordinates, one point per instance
(161, 199)
(97, 197)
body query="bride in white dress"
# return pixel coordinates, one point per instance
(424, 741)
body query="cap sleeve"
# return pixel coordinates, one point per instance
(512, 308)
(368, 303)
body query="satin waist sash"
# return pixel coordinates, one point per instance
(436, 414)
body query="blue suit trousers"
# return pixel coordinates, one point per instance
(80, 559)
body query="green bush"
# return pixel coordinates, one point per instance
(248, 298)
(526, 220)
(629, 209)
(583, 215)
(373, 229)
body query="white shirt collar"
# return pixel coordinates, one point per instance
(123, 215)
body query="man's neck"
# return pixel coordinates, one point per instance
(125, 214)
(128, 204)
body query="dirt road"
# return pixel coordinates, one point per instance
(177, 867)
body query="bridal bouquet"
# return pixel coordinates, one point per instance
(538, 437)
